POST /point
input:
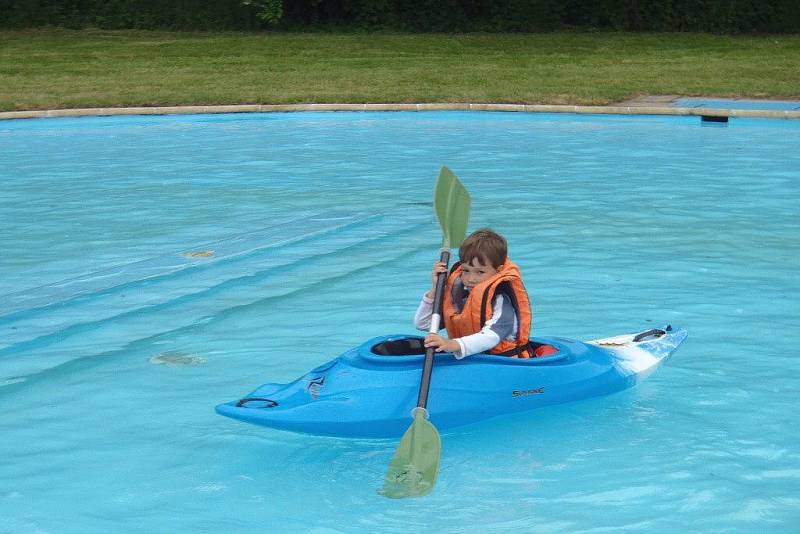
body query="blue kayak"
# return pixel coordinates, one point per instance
(370, 390)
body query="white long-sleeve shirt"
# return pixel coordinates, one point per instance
(502, 325)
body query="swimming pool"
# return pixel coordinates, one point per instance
(154, 267)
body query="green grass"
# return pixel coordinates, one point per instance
(66, 69)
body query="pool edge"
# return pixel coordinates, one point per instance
(525, 108)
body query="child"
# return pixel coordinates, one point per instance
(486, 307)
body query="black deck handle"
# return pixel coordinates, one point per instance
(653, 332)
(270, 403)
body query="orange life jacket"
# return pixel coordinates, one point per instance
(478, 308)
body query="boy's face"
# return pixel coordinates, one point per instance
(475, 272)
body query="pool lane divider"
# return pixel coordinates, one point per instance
(131, 304)
(525, 108)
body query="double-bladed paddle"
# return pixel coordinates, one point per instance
(415, 466)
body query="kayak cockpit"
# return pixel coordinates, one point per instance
(411, 346)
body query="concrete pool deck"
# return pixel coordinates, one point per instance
(650, 105)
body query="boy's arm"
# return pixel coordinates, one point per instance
(422, 319)
(499, 327)
(475, 343)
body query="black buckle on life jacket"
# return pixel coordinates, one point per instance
(516, 351)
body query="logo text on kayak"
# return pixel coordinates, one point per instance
(523, 392)
(315, 385)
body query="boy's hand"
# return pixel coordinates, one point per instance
(442, 344)
(438, 267)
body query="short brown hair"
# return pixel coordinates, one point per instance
(485, 245)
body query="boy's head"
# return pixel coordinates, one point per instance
(486, 246)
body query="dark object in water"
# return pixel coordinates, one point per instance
(174, 357)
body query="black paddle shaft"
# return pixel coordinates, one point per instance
(427, 368)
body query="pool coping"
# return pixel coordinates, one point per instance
(624, 109)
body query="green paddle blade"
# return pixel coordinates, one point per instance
(451, 201)
(415, 466)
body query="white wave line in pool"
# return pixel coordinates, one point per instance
(189, 257)
(89, 327)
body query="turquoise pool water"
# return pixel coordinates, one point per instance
(115, 344)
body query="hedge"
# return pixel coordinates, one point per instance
(716, 16)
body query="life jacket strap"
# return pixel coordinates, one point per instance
(517, 351)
